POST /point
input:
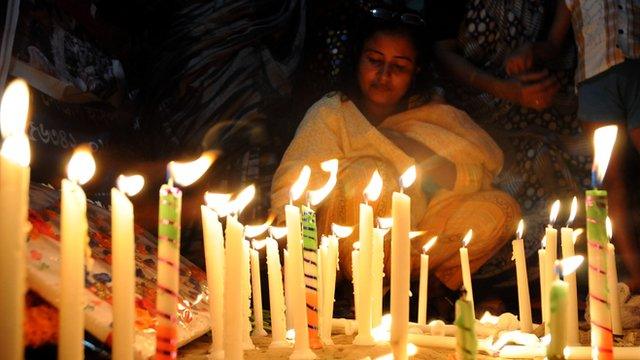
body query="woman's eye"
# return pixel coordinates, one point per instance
(398, 68)
(374, 61)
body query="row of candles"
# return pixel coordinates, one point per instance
(307, 294)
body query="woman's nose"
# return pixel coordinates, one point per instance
(384, 71)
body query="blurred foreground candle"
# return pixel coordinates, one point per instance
(123, 268)
(294, 270)
(551, 236)
(597, 244)
(558, 307)
(365, 237)
(400, 265)
(466, 269)
(524, 302)
(612, 282)
(183, 174)
(73, 244)
(466, 342)
(247, 343)
(214, 256)
(276, 290)
(567, 240)
(14, 224)
(424, 281)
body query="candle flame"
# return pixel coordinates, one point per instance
(216, 201)
(82, 166)
(385, 222)
(546, 340)
(277, 232)
(341, 231)
(14, 108)
(553, 215)
(291, 334)
(130, 185)
(543, 243)
(609, 227)
(252, 231)
(356, 245)
(258, 244)
(374, 188)
(429, 244)
(520, 228)
(243, 198)
(467, 238)
(186, 173)
(488, 318)
(574, 211)
(415, 234)
(316, 196)
(412, 349)
(603, 140)
(385, 322)
(576, 234)
(16, 149)
(408, 177)
(569, 265)
(566, 352)
(297, 189)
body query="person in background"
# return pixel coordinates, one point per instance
(607, 34)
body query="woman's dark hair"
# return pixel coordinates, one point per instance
(363, 30)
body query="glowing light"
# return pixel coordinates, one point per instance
(297, 189)
(341, 231)
(574, 211)
(277, 232)
(316, 196)
(291, 335)
(408, 177)
(567, 352)
(186, 173)
(374, 188)
(385, 222)
(130, 185)
(258, 244)
(356, 245)
(243, 199)
(412, 349)
(82, 166)
(603, 140)
(488, 318)
(216, 201)
(553, 215)
(609, 227)
(14, 109)
(576, 234)
(569, 265)
(429, 244)
(520, 228)
(415, 234)
(252, 231)
(467, 238)
(385, 322)
(546, 340)
(16, 149)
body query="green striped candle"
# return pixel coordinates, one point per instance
(310, 266)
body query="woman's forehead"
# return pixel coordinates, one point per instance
(391, 45)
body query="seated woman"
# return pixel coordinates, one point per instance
(370, 124)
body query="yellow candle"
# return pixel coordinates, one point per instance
(524, 304)
(424, 281)
(73, 243)
(233, 303)
(276, 297)
(14, 223)
(544, 295)
(123, 268)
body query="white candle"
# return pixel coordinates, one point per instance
(355, 274)
(466, 269)
(73, 243)
(276, 297)
(544, 294)
(567, 244)
(14, 223)
(612, 283)
(247, 343)
(233, 284)
(214, 256)
(330, 266)
(287, 290)
(551, 234)
(257, 290)
(377, 275)
(400, 267)
(123, 268)
(424, 281)
(524, 304)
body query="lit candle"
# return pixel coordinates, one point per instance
(276, 292)
(466, 342)
(612, 282)
(551, 234)
(295, 272)
(377, 269)
(597, 245)
(252, 232)
(73, 244)
(214, 257)
(287, 290)
(169, 251)
(365, 234)
(544, 298)
(247, 343)
(524, 304)
(424, 280)
(466, 269)
(400, 266)
(558, 306)
(14, 224)
(567, 240)
(123, 268)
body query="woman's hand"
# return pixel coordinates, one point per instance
(532, 90)
(519, 61)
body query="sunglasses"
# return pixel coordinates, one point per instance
(407, 18)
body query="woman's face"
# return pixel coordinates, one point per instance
(386, 68)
